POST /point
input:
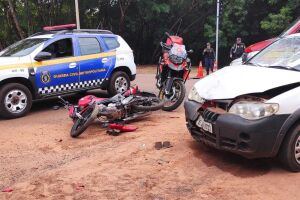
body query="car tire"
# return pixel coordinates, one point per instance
(118, 83)
(15, 100)
(290, 150)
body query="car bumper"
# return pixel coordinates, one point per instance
(249, 138)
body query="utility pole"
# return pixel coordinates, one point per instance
(77, 14)
(217, 31)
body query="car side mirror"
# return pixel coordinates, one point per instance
(43, 56)
(191, 51)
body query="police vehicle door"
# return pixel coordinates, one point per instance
(60, 74)
(92, 62)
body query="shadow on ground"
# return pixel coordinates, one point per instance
(234, 164)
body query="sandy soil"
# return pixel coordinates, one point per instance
(39, 160)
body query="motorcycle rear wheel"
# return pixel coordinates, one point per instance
(176, 99)
(147, 103)
(80, 125)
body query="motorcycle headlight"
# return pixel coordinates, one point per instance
(253, 110)
(194, 96)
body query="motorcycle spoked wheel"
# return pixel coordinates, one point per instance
(80, 125)
(147, 103)
(176, 98)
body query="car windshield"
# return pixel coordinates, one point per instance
(290, 27)
(22, 48)
(284, 53)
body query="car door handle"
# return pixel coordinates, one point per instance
(72, 65)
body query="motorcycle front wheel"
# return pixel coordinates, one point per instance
(174, 100)
(81, 124)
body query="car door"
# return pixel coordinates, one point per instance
(60, 74)
(92, 62)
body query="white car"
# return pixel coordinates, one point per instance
(62, 60)
(252, 109)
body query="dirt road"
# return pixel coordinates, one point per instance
(39, 160)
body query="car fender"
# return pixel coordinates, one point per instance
(290, 122)
(125, 60)
(288, 105)
(14, 73)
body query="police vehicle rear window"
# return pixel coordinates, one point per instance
(111, 42)
(89, 46)
(22, 48)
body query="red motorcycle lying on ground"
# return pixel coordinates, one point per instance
(173, 70)
(111, 112)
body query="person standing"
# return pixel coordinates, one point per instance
(237, 49)
(209, 58)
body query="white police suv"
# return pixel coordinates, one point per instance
(62, 60)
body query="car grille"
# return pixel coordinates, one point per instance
(209, 116)
(211, 138)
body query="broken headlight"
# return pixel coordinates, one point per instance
(253, 110)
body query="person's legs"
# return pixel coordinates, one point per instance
(206, 64)
(211, 65)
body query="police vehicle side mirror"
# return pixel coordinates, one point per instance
(43, 56)
(191, 51)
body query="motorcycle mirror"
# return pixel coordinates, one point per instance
(191, 51)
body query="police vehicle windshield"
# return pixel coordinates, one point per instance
(22, 48)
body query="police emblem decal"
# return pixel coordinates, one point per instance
(45, 77)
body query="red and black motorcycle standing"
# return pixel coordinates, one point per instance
(173, 70)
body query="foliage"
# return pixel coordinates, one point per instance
(143, 22)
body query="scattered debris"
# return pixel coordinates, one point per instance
(162, 145)
(7, 190)
(172, 117)
(79, 186)
(167, 144)
(158, 145)
(117, 129)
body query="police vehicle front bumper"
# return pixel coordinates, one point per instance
(249, 138)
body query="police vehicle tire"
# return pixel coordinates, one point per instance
(16, 95)
(120, 78)
(290, 149)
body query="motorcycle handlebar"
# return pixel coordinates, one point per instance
(167, 34)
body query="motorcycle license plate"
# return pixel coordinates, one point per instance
(206, 126)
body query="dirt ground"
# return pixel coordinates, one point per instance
(39, 160)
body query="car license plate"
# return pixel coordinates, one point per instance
(204, 125)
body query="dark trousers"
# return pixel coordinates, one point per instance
(209, 64)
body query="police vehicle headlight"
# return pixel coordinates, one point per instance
(253, 110)
(194, 96)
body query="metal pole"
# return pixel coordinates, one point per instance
(217, 31)
(77, 14)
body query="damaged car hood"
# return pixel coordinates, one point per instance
(231, 82)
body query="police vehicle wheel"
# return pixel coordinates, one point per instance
(118, 83)
(16, 100)
(290, 150)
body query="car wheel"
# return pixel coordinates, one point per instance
(118, 83)
(15, 100)
(290, 150)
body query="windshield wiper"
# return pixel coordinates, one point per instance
(282, 67)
